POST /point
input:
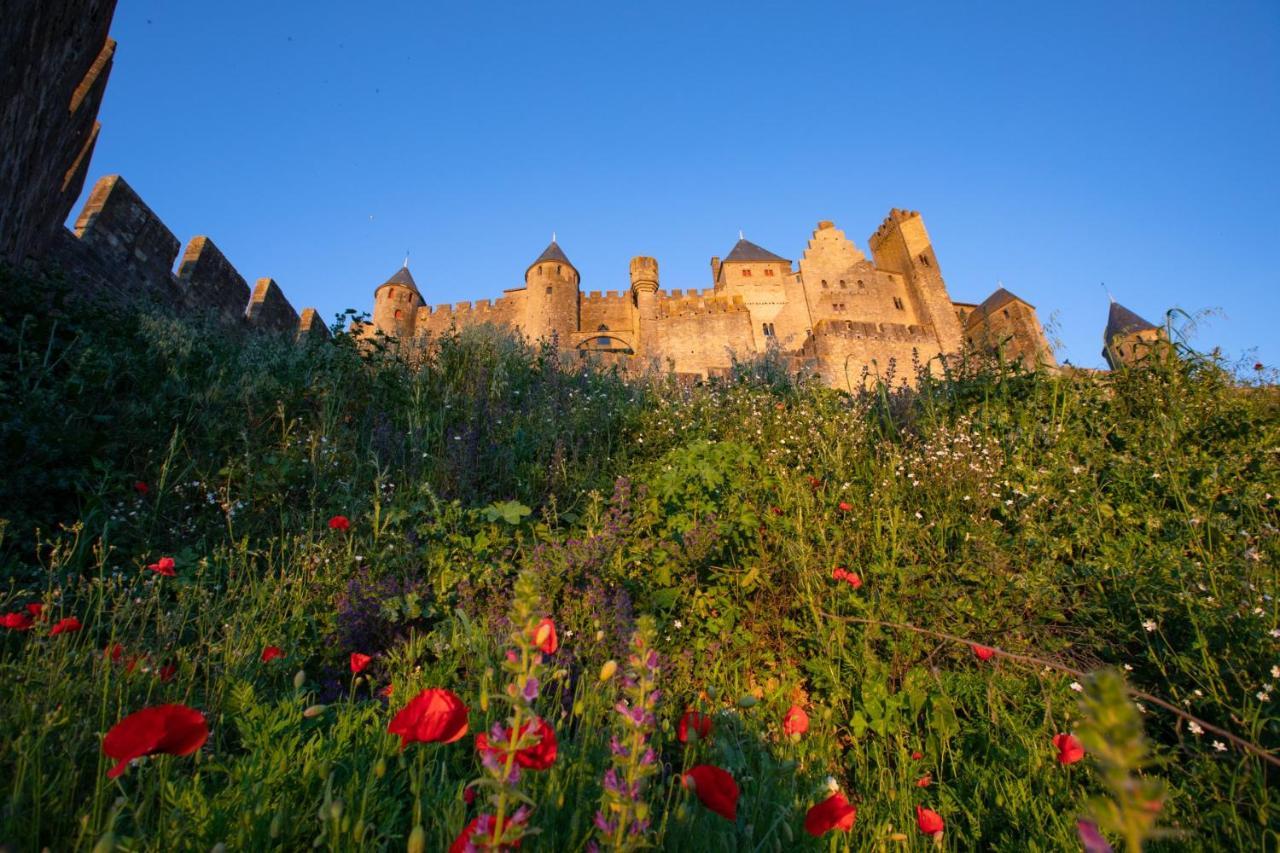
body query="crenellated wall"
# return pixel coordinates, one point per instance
(122, 250)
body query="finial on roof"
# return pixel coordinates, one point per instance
(740, 237)
(553, 236)
(406, 258)
(1103, 285)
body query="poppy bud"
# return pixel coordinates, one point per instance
(358, 833)
(313, 711)
(417, 840)
(335, 809)
(380, 768)
(106, 843)
(599, 636)
(299, 679)
(607, 671)
(277, 823)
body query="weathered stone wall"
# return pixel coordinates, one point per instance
(55, 58)
(698, 335)
(613, 310)
(1012, 329)
(209, 281)
(852, 355)
(121, 251)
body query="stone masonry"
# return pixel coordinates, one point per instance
(837, 314)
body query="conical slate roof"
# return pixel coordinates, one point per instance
(746, 251)
(404, 278)
(1122, 321)
(552, 253)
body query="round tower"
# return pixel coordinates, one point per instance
(551, 296)
(644, 290)
(395, 305)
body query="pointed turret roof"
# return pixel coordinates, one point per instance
(1122, 321)
(998, 300)
(748, 252)
(554, 254)
(404, 278)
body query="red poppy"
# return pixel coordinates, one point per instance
(983, 652)
(715, 789)
(270, 653)
(115, 651)
(776, 510)
(433, 716)
(853, 579)
(917, 755)
(386, 691)
(845, 506)
(339, 522)
(141, 487)
(544, 637)
(1069, 749)
(925, 781)
(795, 721)
(65, 626)
(469, 794)
(17, 621)
(839, 573)
(167, 672)
(696, 721)
(36, 609)
(539, 756)
(814, 483)
(168, 729)
(832, 813)
(464, 842)
(163, 566)
(929, 821)
(359, 662)
(1257, 365)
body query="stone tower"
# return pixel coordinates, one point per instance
(902, 245)
(1128, 338)
(551, 304)
(1006, 324)
(395, 305)
(644, 291)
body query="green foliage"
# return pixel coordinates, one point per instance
(1122, 522)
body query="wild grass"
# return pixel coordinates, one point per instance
(1121, 524)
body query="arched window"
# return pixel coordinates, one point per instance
(824, 284)
(399, 313)
(843, 284)
(557, 269)
(539, 270)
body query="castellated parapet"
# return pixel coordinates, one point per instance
(836, 312)
(121, 250)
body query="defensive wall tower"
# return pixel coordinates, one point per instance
(1128, 339)
(395, 305)
(644, 289)
(551, 299)
(902, 245)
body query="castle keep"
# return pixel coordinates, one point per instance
(836, 313)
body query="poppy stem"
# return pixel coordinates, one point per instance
(1247, 746)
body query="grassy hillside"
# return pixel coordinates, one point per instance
(941, 583)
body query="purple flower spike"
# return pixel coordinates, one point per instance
(1091, 838)
(530, 691)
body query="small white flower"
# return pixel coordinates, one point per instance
(1275, 632)
(1262, 695)
(832, 784)
(1128, 668)
(1195, 728)
(919, 514)
(1275, 672)
(678, 624)
(1149, 625)
(1077, 687)
(1220, 746)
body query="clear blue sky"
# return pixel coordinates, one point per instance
(1052, 146)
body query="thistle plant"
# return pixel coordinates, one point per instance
(623, 818)
(526, 741)
(1111, 731)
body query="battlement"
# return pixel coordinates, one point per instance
(877, 331)
(609, 297)
(121, 249)
(479, 309)
(696, 304)
(706, 293)
(891, 222)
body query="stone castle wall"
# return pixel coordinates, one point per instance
(55, 58)
(121, 250)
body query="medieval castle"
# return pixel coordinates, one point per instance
(836, 314)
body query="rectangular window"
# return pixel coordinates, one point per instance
(746, 273)
(897, 303)
(768, 273)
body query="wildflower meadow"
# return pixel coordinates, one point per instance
(267, 595)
